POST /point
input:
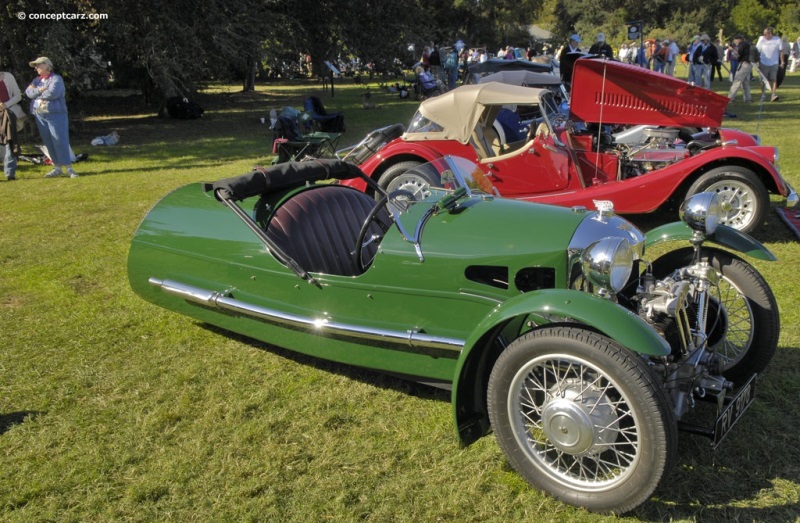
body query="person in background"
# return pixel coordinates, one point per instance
(623, 53)
(651, 50)
(794, 55)
(633, 53)
(674, 56)
(435, 57)
(717, 66)
(425, 60)
(661, 57)
(601, 48)
(644, 54)
(49, 108)
(709, 59)
(690, 51)
(10, 97)
(770, 48)
(568, 62)
(741, 50)
(450, 66)
(733, 58)
(784, 61)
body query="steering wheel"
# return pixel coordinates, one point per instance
(540, 131)
(362, 234)
(361, 241)
(559, 119)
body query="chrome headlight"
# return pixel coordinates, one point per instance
(702, 212)
(608, 263)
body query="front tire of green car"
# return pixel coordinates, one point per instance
(582, 418)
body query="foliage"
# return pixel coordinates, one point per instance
(750, 17)
(173, 48)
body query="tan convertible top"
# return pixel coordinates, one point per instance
(523, 78)
(458, 111)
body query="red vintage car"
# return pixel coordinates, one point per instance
(633, 137)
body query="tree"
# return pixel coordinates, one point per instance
(750, 17)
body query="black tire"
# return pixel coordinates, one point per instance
(582, 418)
(742, 195)
(398, 178)
(746, 334)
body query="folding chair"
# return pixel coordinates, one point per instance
(290, 144)
(322, 120)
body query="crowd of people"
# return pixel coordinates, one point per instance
(48, 107)
(771, 56)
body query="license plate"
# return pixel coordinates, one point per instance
(730, 413)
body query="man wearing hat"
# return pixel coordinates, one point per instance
(690, 59)
(710, 57)
(601, 48)
(741, 50)
(566, 59)
(703, 57)
(49, 107)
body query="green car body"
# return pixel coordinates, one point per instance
(190, 238)
(436, 304)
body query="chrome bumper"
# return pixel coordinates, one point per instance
(791, 198)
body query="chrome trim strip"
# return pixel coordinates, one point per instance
(442, 346)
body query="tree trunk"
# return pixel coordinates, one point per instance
(250, 77)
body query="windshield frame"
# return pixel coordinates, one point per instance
(551, 114)
(460, 179)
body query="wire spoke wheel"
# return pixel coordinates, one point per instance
(574, 420)
(582, 418)
(735, 331)
(743, 325)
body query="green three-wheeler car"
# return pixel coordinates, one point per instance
(550, 324)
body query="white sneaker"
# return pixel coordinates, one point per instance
(71, 173)
(763, 97)
(55, 172)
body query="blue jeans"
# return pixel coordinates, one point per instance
(54, 131)
(10, 162)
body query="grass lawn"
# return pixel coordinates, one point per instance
(114, 410)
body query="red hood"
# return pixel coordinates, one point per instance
(635, 95)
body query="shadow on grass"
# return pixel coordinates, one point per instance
(704, 485)
(8, 421)
(750, 466)
(384, 380)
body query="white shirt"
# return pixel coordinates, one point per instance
(770, 50)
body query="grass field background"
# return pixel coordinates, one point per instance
(114, 410)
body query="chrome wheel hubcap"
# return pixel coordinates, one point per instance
(737, 201)
(578, 421)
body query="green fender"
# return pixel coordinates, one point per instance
(724, 235)
(626, 328)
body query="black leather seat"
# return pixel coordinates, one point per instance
(319, 227)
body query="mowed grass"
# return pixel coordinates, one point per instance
(114, 410)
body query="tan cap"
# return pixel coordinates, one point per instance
(42, 60)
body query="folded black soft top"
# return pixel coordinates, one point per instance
(283, 176)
